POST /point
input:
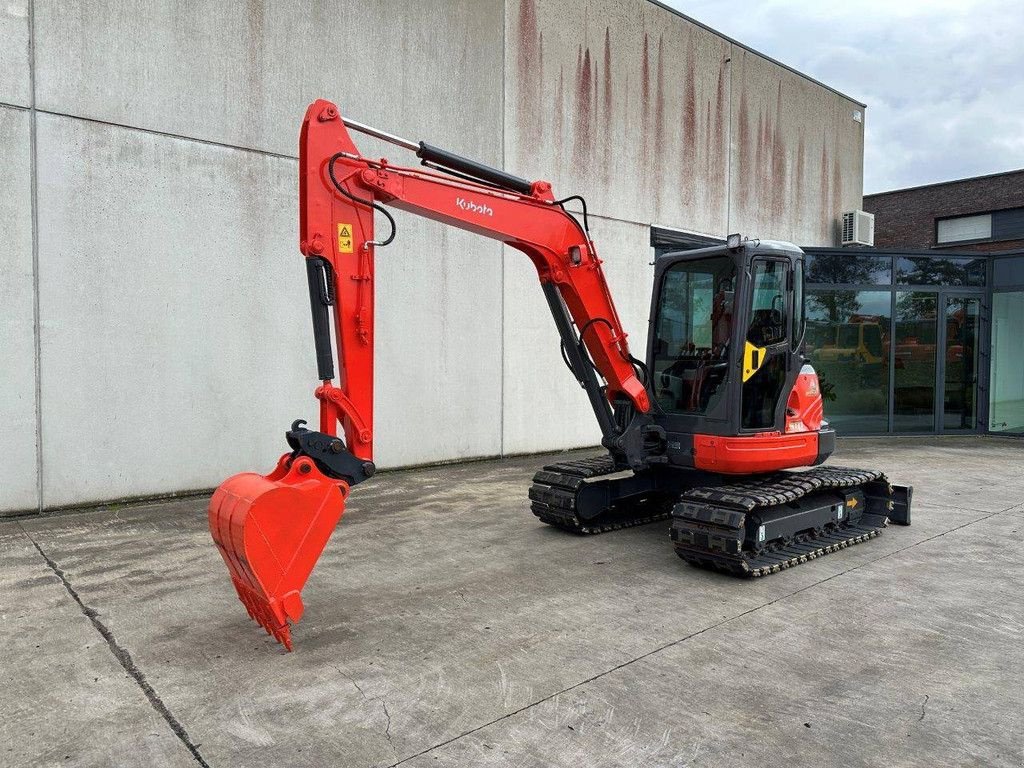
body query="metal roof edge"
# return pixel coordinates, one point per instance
(756, 52)
(943, 253)
(943, 183)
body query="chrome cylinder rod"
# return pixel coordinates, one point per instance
(379, 134)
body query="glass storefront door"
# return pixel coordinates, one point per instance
(914, 361)
(937, 353)
(960, 344)
(1006, 403)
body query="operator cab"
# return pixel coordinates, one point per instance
(727, 328)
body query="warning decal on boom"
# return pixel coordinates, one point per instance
(344, 238)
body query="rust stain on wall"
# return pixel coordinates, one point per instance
(528, 69)
(607, 76)
(659, 98)
(645, 101)
(596, 104)
(539, 70)
(709, 132)
(720, 116)
(837, 187)
(584, 137)
(690, 123)
(756, 179)
(607, 110)
(779, 182)
(719, 151)
(826, 203)
(559, 128)
(745, 140)
(655, 166)
(798, 174)
(648, 103)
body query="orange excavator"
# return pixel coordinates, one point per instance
(704, 433)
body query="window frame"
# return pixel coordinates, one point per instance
(947, 243)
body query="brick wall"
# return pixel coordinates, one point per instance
(906, 218)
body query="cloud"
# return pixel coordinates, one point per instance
(943, 80)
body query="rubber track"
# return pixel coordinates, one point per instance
(553, 498)
(708, 521)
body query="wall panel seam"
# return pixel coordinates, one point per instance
(166, 134)
(34, 218)
(501, 279)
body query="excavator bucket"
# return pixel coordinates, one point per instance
(270, 530)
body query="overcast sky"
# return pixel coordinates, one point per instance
(943, 79)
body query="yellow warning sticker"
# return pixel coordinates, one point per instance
(344, 238)
(753, 357)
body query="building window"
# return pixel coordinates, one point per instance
(1007, 273)
(963, 228)
(929, 270)
(848, 345)
(1008, 224)
(848, 269)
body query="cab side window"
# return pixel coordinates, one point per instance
(769, 326)
(768, 303)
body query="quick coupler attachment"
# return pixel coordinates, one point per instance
(330, 454)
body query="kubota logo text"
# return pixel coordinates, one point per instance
(469, 205)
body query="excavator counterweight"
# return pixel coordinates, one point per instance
(705, 431)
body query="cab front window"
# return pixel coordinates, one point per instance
(692, 331)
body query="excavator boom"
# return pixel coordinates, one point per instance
(271, 529)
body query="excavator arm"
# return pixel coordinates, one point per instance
(339, 189)
(271, 529)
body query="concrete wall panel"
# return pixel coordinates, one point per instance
(176, 345)
(438, 386)
(544, 408)
(18, 479)
(242, 73)
(170, 303)
(15, 82)
(797, 154)
(623, 102)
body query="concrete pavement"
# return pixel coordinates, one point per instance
(446, 627)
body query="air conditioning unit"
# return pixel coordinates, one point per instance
(858, 228)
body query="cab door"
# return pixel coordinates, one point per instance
(765, 366)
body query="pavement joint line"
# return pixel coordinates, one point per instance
(699, 632)
(123, 657)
